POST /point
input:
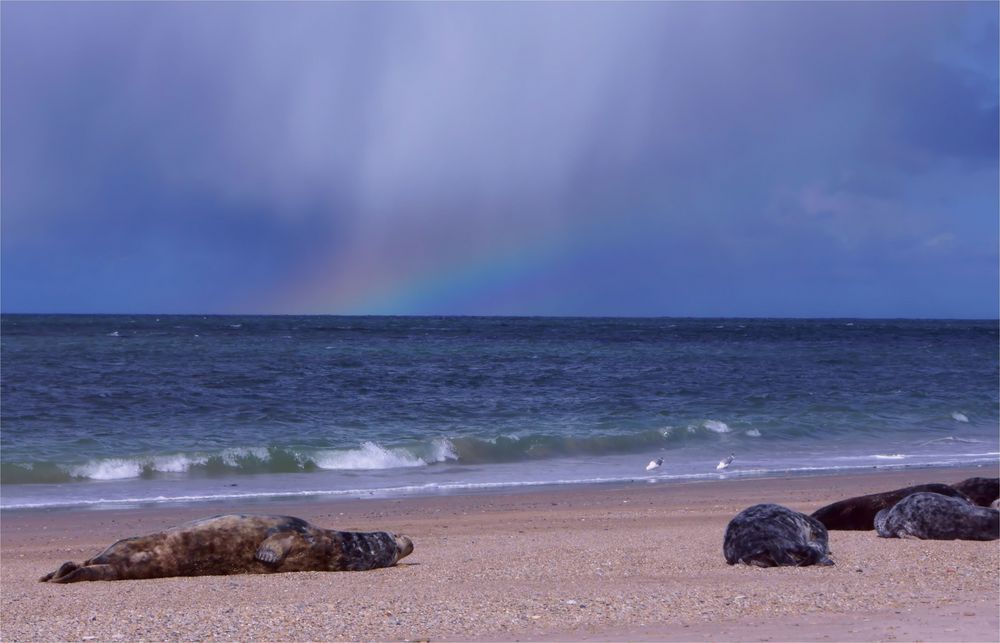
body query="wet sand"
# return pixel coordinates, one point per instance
(631, 562)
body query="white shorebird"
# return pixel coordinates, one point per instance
(725, 462)
(654, 464)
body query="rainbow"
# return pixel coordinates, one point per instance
(496, 282)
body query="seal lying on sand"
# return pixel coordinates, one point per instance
(981, 491)
(238, 544)
(771, 535)
(931, 516)
(858, 514)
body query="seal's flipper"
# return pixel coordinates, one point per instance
(89, 572)
(274, 548)
(64, 569)
(788, 554)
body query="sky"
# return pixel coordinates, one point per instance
(600, 159)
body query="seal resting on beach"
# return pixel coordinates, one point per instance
(931, 516)
(858, 513)
(770, 535)
(981, 491)
(238, 544)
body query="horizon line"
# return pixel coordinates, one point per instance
(514, 316)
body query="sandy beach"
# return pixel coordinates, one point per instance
(630, 562)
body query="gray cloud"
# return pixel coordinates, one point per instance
(421, 131)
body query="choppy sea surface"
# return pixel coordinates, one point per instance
(107, 411)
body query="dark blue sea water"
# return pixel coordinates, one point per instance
(112, 410)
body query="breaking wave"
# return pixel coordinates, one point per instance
(367, 456)
(717, 426)
(375, 456)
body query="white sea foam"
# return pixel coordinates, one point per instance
(503, 436)
(442, 449)
(108, 469)
(369, 456)
(753, 433)
(716, 426)
(124, 468)
(890, 456)
(959, 417)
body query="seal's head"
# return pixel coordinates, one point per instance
(404, 546)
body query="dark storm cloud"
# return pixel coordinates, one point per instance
(670, 150)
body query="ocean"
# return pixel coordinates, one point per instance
(113, 411)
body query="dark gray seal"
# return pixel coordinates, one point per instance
(771, 535)
(858, 513)
(931, 516)
(981, 491)
(238, 544)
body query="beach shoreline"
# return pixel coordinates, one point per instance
(260, 500)
(602, 562)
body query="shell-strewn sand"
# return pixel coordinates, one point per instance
(639, 562)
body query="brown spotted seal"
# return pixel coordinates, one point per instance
(770, 535)
(858, 514)
(238, 544)
(931, 516)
